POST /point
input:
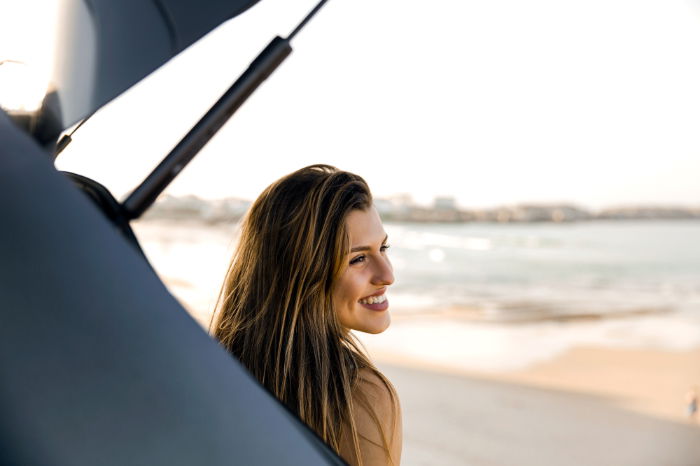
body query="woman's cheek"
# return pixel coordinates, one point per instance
(360, 284)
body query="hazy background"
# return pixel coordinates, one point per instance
(493, 102)
(591, 329)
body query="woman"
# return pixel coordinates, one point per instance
(310, 266)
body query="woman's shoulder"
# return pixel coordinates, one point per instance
(377, 416)
(378, 389)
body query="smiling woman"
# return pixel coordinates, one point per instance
(359, 295)
(311, 265)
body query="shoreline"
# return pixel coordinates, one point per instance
(648, 382)
(589, 404)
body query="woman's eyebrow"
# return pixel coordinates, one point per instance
(367, 248)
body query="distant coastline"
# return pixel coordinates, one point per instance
(444, 210)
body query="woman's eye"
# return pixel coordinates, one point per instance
(360, 259)
(357, 260)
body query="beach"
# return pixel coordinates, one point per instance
(523, 345)
(589, 406)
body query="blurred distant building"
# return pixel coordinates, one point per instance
(193, 208)
(397, 207)
(533, 213)
(401, 208)
(549, 213)
(384, 207)
(445, 203)
(225, 210)
(649, 213)
(177, 208)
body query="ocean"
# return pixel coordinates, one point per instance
(493, 296)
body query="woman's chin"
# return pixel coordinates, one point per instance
(362, 319)
(378, 326)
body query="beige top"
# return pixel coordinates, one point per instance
(389, 414)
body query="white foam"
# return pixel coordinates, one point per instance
(495, 348)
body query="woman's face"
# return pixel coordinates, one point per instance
(358, 294)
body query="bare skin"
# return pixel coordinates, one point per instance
(368, 273)
(370, 439)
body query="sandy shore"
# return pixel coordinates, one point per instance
(588, 406)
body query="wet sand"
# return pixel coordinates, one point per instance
(588, 406)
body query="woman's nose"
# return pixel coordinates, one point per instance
(384, 273)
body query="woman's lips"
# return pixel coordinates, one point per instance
(380, 292)
(377, 306)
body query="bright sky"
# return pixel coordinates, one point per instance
(493, 102)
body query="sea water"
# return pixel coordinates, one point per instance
(493, 296)
(545, 271)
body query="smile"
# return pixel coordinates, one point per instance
(373, 299)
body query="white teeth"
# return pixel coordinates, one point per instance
(374, 299)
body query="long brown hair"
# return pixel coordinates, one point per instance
(275, 311)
